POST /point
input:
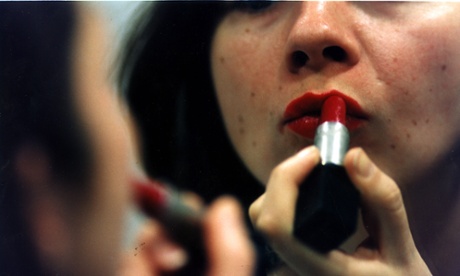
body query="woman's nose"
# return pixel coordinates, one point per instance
(322, 38)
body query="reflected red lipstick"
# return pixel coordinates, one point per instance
(328, 203)
(182, 224)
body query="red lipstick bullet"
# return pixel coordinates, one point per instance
(328, 203)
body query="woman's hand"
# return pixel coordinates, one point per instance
(228, 246)
(389, 249)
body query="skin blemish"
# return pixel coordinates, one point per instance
(393, 146)
(443, 67)
(408, 136)
(253, 94)
(222, 60)
(241, 130)
(427, 121)
(254, 144)
(139, 247)
(280, 88)
(247, 30)
(414, 122)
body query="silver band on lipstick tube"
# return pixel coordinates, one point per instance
(332, 140)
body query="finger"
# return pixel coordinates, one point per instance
(157, 250)
(255, 208)
(167, 256)
(305, 261)
(273, 215)
(193, 201)
(229, 248)
(382, 200)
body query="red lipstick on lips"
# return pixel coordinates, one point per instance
(182, 224)
(327, 204)
(302, 115)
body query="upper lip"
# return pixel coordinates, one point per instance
(309, 104)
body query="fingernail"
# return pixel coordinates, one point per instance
(363, 164)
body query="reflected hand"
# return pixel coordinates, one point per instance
(228, 246)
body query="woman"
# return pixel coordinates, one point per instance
(67, 157)
(245, 62)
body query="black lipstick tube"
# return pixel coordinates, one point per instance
(328, 203)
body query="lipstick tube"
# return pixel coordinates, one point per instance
(327, 205)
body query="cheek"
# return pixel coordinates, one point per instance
(104, 211)
(241, 65)
(113, 153)
(247, 95)
(423, 111)
(239, 81)
(416, 95)
(418, 68)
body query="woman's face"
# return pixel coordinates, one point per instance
(99, 229)
(398, 60)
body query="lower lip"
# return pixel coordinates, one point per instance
(306, 126)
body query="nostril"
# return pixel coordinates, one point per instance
(299, 58)
(335, 53)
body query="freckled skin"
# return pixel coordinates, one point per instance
(400, 62)
(402, 67)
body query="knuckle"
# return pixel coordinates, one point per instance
(390, 196)
(269, 225)
(393, 200)
(279, 171)
(253, 212)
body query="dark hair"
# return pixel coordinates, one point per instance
(36, 106)
(166, 79)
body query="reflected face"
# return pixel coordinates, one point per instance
(100, 226)
(397, 60)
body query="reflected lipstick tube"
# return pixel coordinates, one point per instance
(182, 224)
(327, 205)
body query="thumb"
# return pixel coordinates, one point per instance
(383, 203)
(229, 248)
